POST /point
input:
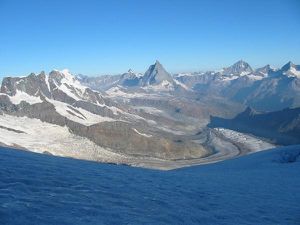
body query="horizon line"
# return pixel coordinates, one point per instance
(136, 71)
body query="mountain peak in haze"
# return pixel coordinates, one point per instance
(264, 70)
(291, 70)
(129, 79)
(288, 66)
(238, 68)
(156, 74)
(130, 71)
(63, 74)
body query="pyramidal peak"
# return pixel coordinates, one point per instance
(241, 64)
(288, 66)
(156, 74)
(239, 68)
(291, 70)
(157, 62)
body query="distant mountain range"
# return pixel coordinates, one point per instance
(156, 77)
(264, 88)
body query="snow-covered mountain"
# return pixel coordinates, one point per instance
(264, 88)
(130, 79)
(240, 68)
(291, 70)
(235, 82)
(264, 71)
(155, 79)
(59, 104)
(279, 89)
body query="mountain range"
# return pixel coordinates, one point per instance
(152, 117)
(265, 88)
(86, 116)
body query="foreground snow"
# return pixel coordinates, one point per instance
(262, 188)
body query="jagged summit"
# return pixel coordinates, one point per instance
(266, 67)
(59, 75)
(58, 85)
(264, 71)
(291, 70)
(129, 79)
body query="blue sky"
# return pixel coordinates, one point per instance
(99, 37)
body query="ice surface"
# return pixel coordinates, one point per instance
(249, 141)
(42, 137)
(255, 189)
(23, 96)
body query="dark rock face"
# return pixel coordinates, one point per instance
(32, 85)
(290, 65)
(122, 138)
(283, 127)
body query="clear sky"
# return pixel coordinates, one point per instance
(111, 36)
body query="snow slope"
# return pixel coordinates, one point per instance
(76, 114)
(23, 96)
(262, 188)
(40, 137)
